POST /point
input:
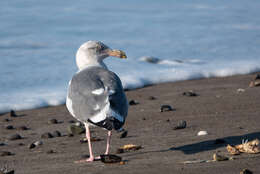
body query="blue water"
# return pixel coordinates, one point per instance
(39, 39)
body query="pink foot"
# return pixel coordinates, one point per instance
(85, 160)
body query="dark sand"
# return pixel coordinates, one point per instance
(219, 109)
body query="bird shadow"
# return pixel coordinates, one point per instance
(206, 145)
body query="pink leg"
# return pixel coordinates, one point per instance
(108, 142)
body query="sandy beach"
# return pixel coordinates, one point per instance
(221, 109)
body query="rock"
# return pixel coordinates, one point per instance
(110, 158)
(150, 59)
(50, 151)
(20, 144)
(124, 134)
(7, 120)
(219, 141)
(133, 102)
(9, 127)
(143, 118)
(70, 135)
(71, 121)
(31, 146)
(181, 125)
(76, 130)
(246, 171)
(46, 135)
(5, 153)
(12, 113)
(14, 137)
(38, 143)
(152, 98)
(190, 94)
(23, 128)
(53, 121)
(56, 134)
(217, 157)
(166, 108)
(201, 133)
(240, 90)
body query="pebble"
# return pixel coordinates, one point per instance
(71, 121)
(5, 153)
(9, 127)
(201, 133)
(12, 113)
(181, 125)
(46, 135)
(56, 134)
(166, 108)
(7, 120)
(23, 128)
(246, 171)
(50, 151)
(53, 121)
(240, 90)
(14, 137)
(76, 130)
(110, 158)
(152, 98)
(190, 94)
(150, 59)
(124, 134)
(133, 102)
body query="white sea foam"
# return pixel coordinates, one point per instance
(190, 40)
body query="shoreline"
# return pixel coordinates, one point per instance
(220, 109)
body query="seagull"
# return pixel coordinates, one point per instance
(95, 94)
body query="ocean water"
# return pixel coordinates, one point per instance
(192, 39)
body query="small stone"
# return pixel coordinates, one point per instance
(166, 108)
(14, 137)
(7, 120)
(246, 171)
(9, 127)
(31, 146)
(38, 143)
(152, 98)
(240, 90)
(143, 118)
(168, 120)
(219, 141)
(133, 102)
(190, 94)
(47, 135)
(217, 157)
(5, 153)
(12, 113)
(23, 128)
(50, 151)
(181, 125)
(150, 59)
(56, 134)
(110, 158)
(124, 134)
(53, 121)
(20, 144)
(70, 135)
(76, 130)
(201, 133)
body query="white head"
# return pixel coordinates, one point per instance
(92, 53)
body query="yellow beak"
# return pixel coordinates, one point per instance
(117, 53)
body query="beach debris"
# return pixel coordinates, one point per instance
(152, 98)
(246, 171)
(12, 113)
(219, 141)
(165, 108)
(47, 135)
(255, 82)
(14, 137)
(76, 129)
(23, 128)
(53, 121)
(56, 133)
(133, 102)
(197, 161)
(124, 134)
(202, 133)
(9, 127)
(190, 93)
(240, 90)
(217, 157)
(128, 147)
(181, 125)
(232, 150)
(110, 158)
(150, 59)
(92, 139)
(251, 147)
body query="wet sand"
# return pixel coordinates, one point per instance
(219, 109)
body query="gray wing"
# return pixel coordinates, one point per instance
(96, 95)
